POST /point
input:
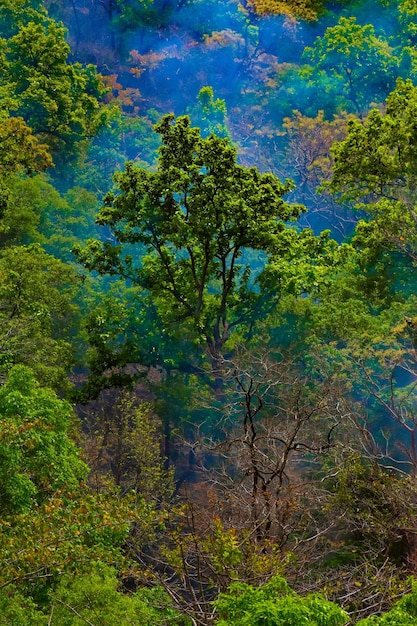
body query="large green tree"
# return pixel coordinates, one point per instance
(58, 99)
(36, 455)
(195, 236)
(375, 169)
(353, 63)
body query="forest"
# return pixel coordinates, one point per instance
(208, 325)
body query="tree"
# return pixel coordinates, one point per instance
(407, 14)
(20, 150)
(15, 13)
(353, 63)
(52, 523)
(38, 313)
(210, 113)
(19, 610)
(304, 9)
(67, 533)
(309, 162)
(272, 435)
(375, 168)
(181, 234)
(37, 213)
(130, 15)
(111, 20)
(86, 598)
(58, 100)
(37, 456)
(21, 153)
(123, 437)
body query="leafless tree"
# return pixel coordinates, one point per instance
(273, 433)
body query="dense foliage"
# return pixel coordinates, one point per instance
(208, 327)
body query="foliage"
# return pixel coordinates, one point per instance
(37, 312)
(274, 604)
(188, 249)
(307, 152)
(199, 255)
(352, 62)
(155, 13)
(18, 610)
(66, 534)
(124, 137)
(403, 613)
(124, 436)
(51, 522)
(200, 556)
(112, 324)
(275, 430)
(182, 233)
(14, 13)
(367, 555)
(37, 212)
(301, 9)
(96, 595)
(375, 169)
(407, 17)
(21, 153)
(210, 114)
(37, 456)
(58, 100)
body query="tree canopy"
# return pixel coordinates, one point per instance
(216, 424)
(183, 232)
